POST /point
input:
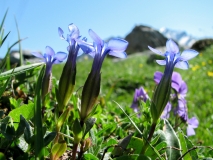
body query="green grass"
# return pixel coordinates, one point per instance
(121, 77)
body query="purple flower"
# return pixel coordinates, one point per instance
(192, 124)
(181, 89)
(181, 109)
(176, 83)
(140, 94)
(166, 111)
(74, 34)
(173, 57)
(67, 79)
(98, 49)
(50, 58)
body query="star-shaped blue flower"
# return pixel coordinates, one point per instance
(173, 56)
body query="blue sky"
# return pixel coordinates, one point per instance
(39, 20)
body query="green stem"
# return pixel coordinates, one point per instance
(151, 132)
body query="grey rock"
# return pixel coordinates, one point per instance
(202, 44)
(143, 36)
(27, 57)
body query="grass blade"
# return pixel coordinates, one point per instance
(139, 131)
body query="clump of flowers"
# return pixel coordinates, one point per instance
(177, 102)
(173, 58)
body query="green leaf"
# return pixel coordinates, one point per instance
(28, 133)
(64, 116)
(3, 124)
(2, 22)
(2, 156)
(184, 146)
(137, 144)
(89, 124)
(18, 70)
(89, 156)
(122, 145)
(15, 103)
(23, 144)
(25, 110)
(58, 149)
(107, 129)
(173, 144)
(189, 144)
(110, 143)
(133, 157)
(159, 147)
(77, 131)
(3, 88)
(49, 137)
(39, 142)
(21, 127)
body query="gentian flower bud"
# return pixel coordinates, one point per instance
(50, 58)
(173, 58)
(99, 49)
(67, 79)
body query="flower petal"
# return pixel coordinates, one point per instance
(37, 54)
(49, 51)
(167, 109)
(156, 51)
(193, 122)
(118, 54)
(61, 32)
(161, 62)
(85, 46)
(117, 44)
(157, 76)
(74, 31)
(99, 42)
(176, 81)
(183, 89)
(60, 56)
(182, 65)
(188, 54)
(172, 47)
(190, 131)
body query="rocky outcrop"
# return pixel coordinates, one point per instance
(143, 36)
(27, 57)
(202, 44)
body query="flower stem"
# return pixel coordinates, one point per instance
(74, 151)
(151, 132)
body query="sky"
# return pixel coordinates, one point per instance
(39, 20)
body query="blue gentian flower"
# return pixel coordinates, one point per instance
(98, 49)
(50, 58)
(173, 58)
(67, 79)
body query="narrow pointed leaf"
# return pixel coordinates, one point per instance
(18, 70)
(49, 137)
(39, 142)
